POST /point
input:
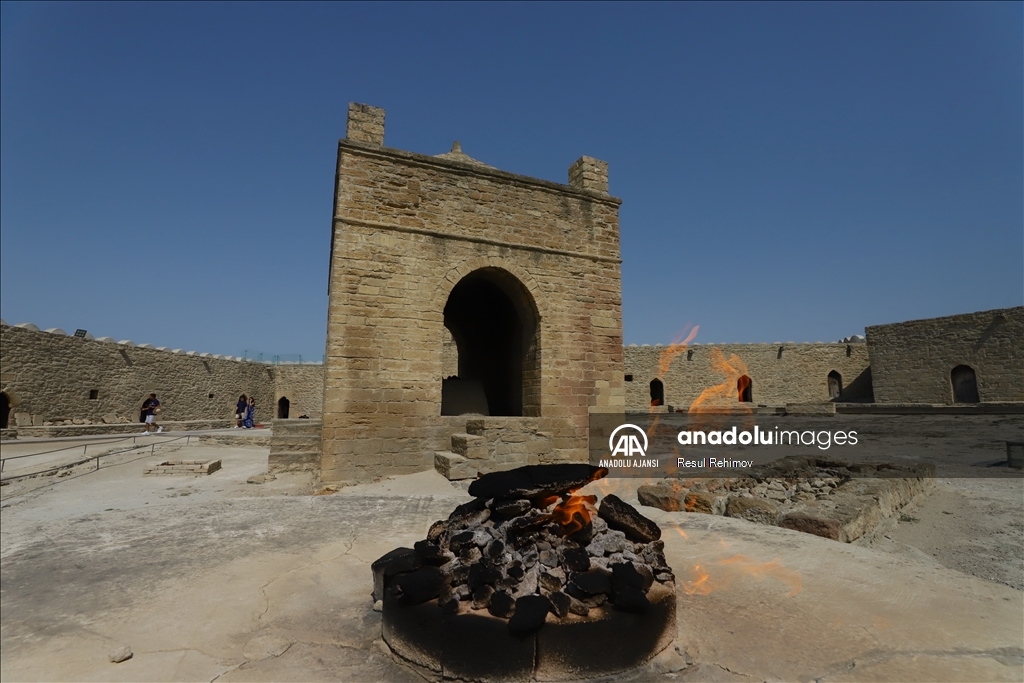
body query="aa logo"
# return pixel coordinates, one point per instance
(628, 444)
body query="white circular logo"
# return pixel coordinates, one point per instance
(627, 444)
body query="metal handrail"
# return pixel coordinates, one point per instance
(152, 447)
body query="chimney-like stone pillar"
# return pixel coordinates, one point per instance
(588, 173)
(365, 124)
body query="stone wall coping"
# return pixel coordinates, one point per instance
(1013, 310)
(427, 161)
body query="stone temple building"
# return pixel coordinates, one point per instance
(522, 274)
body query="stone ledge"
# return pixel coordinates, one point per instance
(192, 467)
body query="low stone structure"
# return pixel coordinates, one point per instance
(295, 446)
(969, 358)
(835, 500)
(194, 468)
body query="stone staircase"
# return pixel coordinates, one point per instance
(490, 444)
(295, 446)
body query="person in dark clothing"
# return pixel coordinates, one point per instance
(240, 408)
(150, 408)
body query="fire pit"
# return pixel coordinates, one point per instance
(530, 582)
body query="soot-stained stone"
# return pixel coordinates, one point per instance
(593, 582)
(395, 562)
(470, 555)
(625, 575)
(473, 512)
(578, 607)
(481, 575)
(575, 560)
(549, 582)
(448, 605)
(648, 576)
(516, 573)
(560, 603)
(421, 585)
(502, 605)
(482, 596)
(436, 530)
(630, 599)
(495, 550)
(463, 539)
(622, 516)
(535, 481)
(531, 610)
(507, 509)
(430, 553)
(459, 573)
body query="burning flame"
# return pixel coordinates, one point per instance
(574, 513)
(702, 582)
(677, 346)
(726, 394)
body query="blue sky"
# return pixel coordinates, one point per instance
(788, 171)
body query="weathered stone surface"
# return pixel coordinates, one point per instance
(120, 654)
(664, 496)
(809, 524)
(699, 501)
(752, 509)
(622, 516)
(392, 563)
(421, 585)
(454, 467)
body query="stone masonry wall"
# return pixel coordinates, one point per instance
(50, 376)
(911, 361)
(780, 373)
(303, 386)
(407, 229)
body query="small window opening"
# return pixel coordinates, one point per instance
(745, 389)
(629, 378)
(657, 392)
(94, 394)
(210, 396)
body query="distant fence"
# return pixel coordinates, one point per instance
(282, 358)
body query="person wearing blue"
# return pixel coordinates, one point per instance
(150, 408)
(240, 408)
(250, 414)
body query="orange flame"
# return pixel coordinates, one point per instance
(703, 583)
(574, 513)
(677, 346)
(722, 395)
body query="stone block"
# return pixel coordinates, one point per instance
(752, 510)
(469, 446)
(811, 524)
(664, 496)
(453, 466)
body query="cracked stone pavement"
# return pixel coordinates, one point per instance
(214, 579)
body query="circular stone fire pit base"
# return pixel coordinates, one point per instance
(479, 647)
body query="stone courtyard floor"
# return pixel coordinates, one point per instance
(210, 578)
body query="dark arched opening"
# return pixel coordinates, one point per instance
(657, 392)
(495, 325)
(745, 389)
(283, 404)
(835, 385)
(5, 409)
(965, 384)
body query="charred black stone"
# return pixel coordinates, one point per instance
(460, 540)
(430, 553)
(482, 596)
(495, 550)
(502, 605)
(535, 481)
(531, 610)
(516, 573)
(549, 582)
(630, 599)
(470, 555)
(560, 603)
(575, 559)
(481, 575)
(647, 574)
(449, 605)
(472, 512)
(421, 585)
(595, 581)
(582, 536)
(625, 575)
(395, 562)
(521, 530)
(622, 516)
(436, 530)
(507, 509)
(460, 574)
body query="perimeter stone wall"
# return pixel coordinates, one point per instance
(911, 361)
(51, 377)
(407, 229)
(303, 386)
(780, 373)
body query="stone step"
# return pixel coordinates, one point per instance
(453, 466)
(469, 446)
